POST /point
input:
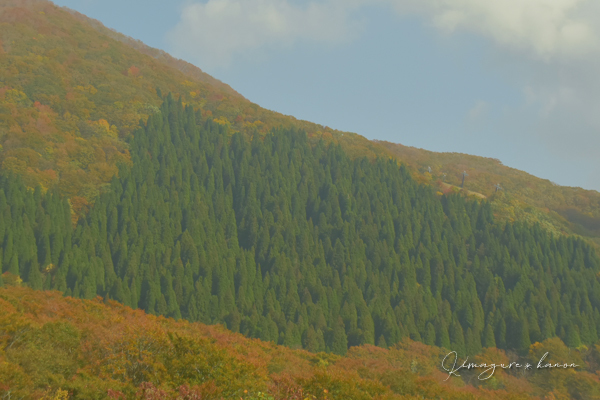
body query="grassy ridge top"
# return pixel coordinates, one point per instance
(568, 210)
(54, 347)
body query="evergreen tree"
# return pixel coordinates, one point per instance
(488, 337)
(339, 341)
(573, 339)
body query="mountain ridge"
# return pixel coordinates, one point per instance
(563, 209)
(63, 121)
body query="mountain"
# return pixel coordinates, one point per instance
(133, 176)
(52, 347)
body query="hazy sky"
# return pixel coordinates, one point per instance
(515, 80)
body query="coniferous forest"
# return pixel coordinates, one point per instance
(289, 240)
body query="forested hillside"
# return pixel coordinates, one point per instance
(294, 242)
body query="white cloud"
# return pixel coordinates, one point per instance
(212, 33)
(215, 30)
(544, 28)
(549, 47)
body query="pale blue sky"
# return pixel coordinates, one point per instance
(494, 78)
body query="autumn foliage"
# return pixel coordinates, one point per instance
(52, 347)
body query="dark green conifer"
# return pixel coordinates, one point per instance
(339, 341)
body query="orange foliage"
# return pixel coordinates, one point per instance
(133, 71)
(50, 344)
